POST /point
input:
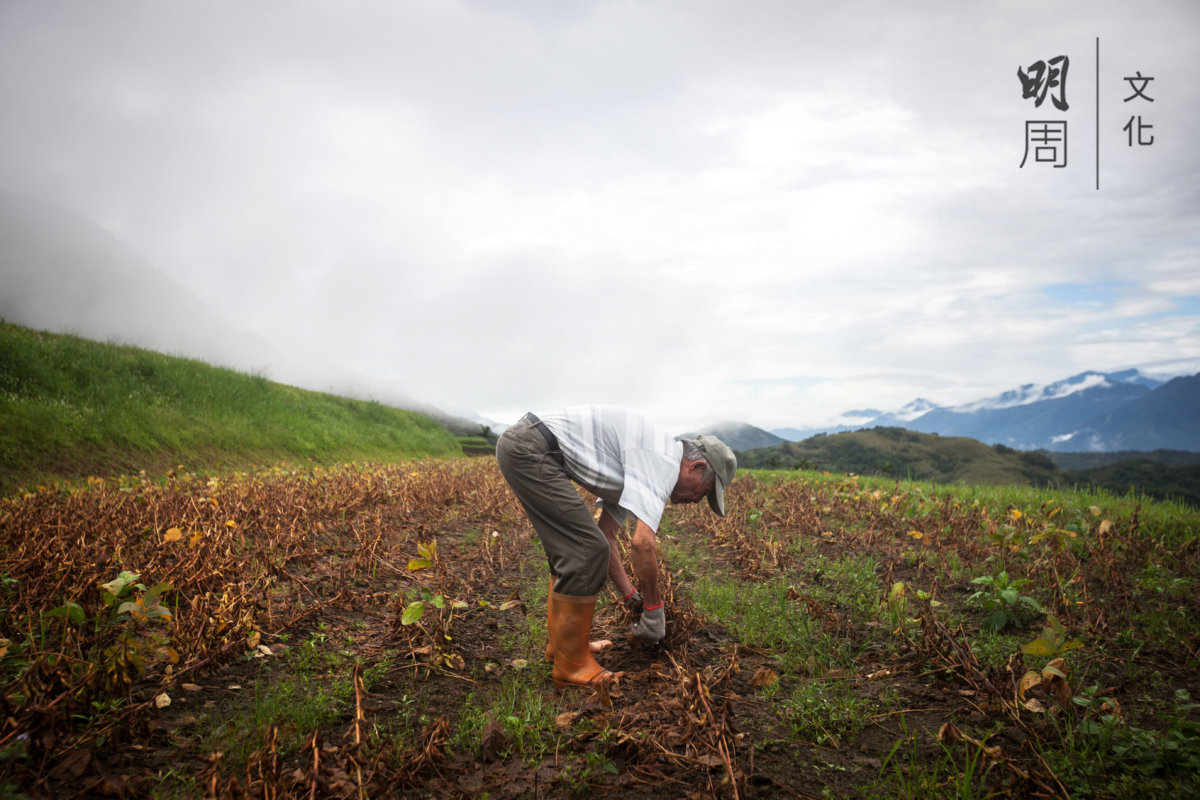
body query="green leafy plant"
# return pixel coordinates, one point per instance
(1053, 641)
(580, 778)
(138, 643)
(136, 616)
(1105, 749)
(1003, 600)
(436, 629)
(895, 605)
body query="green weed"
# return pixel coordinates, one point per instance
(1105, 755)
(910, 774)
(1003, 601)
(825, 712)
(522, 708)
(310, 688)
(761, 615)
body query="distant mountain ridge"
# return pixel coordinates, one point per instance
(1091, 411)
(1167, 417)
(909, 455)
(738, 435)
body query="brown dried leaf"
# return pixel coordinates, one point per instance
(764, 676)
(1034, 705)
(72, 766)
(1030, 680)
(949, 733)
(1059, 689)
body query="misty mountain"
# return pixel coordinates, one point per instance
(913, 410)
(1034, 417)
(1124, 410)
(63, 273)
(861, 418)
(738, 435)
(1167, 417)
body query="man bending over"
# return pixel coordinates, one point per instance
(633, 468)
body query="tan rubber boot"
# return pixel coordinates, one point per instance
(549, 620)
(595, 647)
(570, 625)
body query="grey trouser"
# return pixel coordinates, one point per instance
(575, 547)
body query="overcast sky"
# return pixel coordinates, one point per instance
(764, 211)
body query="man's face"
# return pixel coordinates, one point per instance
(691, 486)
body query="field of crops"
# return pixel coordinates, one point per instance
(378, 631)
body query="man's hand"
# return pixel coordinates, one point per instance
(634, 602)
(652, 627)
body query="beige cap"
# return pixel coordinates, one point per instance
(718, 456)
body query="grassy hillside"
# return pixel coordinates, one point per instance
(70, 407)
(1146, 476)
(1074, 462)
(900, 453)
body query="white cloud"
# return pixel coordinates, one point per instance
(511, 207)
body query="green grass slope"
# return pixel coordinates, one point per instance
(70, 407)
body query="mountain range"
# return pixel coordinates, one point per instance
(1091, 411)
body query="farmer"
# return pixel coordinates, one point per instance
(634, 468)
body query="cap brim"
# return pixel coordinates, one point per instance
(716, 500)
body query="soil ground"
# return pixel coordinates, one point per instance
(333, 695)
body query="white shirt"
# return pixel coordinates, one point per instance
(620, 457)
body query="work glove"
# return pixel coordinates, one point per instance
(652, 626)
(634, 602)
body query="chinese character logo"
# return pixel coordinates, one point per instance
(1046, 78)
(1139, 91)
(1138, 84)
(1048, 139)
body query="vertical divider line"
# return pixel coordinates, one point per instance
(1097, 113)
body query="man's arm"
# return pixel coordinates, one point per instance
(644, 554)
(616, 569)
